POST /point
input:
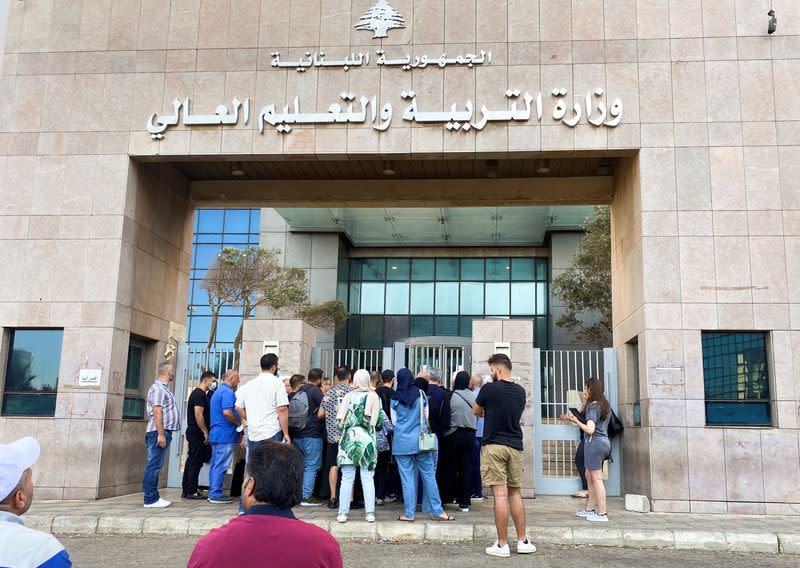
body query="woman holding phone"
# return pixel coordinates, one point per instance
(597, 447)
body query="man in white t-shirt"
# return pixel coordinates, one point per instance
(264, 405)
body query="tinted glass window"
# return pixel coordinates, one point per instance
(397, 298)
(472, 269)
(422, 298)
(497, 299)
(422, 269)
(446, 269)
(398, 269)
(523, 269)
(32, 370)
(447, 298)
(498, 269)
(472, 298)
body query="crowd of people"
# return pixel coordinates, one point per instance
(305, 442)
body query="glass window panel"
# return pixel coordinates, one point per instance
(373, 269)
(133, 370)
(371, 332)
(237, 220)
(497, 299)
(472, 269)
(200, 311)
(208, 238)
(523, 298)
(200, 329)
(421, 326)
(396, 298)
(447, 298)
(422, 298)
(541, 299)
(210, 220)
(355, 269)
(471, 298)
(422, 269)
(738, 413)
(466, 326)
(353, 329)
(523, 269)
(372, 294)
(446, 326)
(541, 269)
(446, 269)
(133, 408)
(255, 221)
(355, 298)
(228, 328)
(398, 268)
(395, 328)
(541, 333)
(236, 239)
(498, 269)
(31, 378)
(205, 255)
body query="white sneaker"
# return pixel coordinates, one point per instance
(160, 504)
(380, 502)
(308, 504)
(501, 551)
(464, 509)
(369, 517)
(341, 518)
(525, 547)
(584, 513)
(595, 518)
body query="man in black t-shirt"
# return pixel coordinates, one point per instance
(501, 404)
(197, 424)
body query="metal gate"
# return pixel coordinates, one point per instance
(559, 377)
(369, 359)
(189, 365)
(449, 359)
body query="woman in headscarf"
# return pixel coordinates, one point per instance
(410, 416)
(461, 440)
(359, 415)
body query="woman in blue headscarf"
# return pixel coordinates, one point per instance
(410, 416)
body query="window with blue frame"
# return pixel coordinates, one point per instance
(395, 298)
(736, 379)
(215, 229)
(31, 378)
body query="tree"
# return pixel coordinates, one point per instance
(585, 287)
(381, 18)
(253, 277)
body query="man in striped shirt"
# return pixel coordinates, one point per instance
(163, 418)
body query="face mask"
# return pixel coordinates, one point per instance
(213, 386)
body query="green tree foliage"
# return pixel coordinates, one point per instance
(585, 287)
(254, 277)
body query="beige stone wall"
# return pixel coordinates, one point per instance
(706, 210)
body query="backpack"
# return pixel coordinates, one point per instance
(615, 427)
(298, 411)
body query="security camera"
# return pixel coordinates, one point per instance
(773, 22)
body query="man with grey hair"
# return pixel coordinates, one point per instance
(163, 418)
(439, 400)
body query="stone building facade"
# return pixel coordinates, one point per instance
(703, 183)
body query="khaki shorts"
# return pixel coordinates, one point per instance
(501, 465)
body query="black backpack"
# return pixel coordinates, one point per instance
(615, 427)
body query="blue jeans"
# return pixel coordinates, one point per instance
(311, 448)
(409, 466)
(155, 459)
(424, 500)
(346, 491)
(221, 457)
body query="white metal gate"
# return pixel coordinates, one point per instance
(369, 359)
(559, 379)
(449, 359)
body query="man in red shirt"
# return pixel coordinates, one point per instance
(268, 534)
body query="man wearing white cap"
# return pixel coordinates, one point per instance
(20, 546)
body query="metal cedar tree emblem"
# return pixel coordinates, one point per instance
(380, 19)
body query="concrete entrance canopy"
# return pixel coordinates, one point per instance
(96, 212)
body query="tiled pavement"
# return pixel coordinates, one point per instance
(550, 519)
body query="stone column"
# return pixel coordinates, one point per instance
(295, 340)
(519, 333)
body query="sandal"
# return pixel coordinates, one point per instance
(446, 519)
(405, 519)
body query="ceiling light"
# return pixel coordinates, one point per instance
(543, 167)
(389, 168)
(491, 168)
(236, 169)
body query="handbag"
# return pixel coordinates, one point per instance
(615, 427)
(427, 441)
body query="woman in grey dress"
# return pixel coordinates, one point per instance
(597, 447)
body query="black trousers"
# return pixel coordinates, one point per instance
(194, 463)
(461, 447)
(580, 466)
(382, 474)
(443, 480)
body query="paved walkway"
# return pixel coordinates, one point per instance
(550, 519)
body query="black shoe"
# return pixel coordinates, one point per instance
(195, 497)
(357, 505)
(332, 504)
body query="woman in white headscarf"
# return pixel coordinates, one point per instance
(360, 414)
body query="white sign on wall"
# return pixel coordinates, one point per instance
(89, 377)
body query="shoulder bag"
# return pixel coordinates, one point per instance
(427, 441)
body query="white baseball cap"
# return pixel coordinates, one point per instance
(15, 458)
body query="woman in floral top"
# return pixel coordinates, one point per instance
(360, 414)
